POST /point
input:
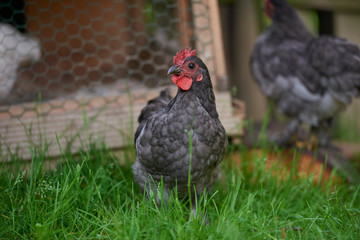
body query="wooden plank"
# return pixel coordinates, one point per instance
(208, 39)
(111, 120)
(184, 23)
(204, 36)
(352, 6)
(245, 32)
(218, 46)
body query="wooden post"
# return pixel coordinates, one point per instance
(208, 39)
(218, 46)
(184, 23)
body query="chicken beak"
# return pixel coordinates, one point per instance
(174, 70)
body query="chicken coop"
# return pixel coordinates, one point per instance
(75, 71)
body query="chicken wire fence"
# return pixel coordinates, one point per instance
(76, 48)
(61, 56)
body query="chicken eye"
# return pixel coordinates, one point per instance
(191, 65)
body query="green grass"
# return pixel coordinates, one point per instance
(347, 129)
(92, 196)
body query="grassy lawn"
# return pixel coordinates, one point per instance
(92, 196)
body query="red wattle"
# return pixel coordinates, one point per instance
(182, 82)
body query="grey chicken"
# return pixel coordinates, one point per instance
(171, 132)
(310, 79)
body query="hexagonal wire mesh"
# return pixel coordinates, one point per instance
(91, 47)
(94, 52)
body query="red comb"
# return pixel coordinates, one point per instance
(182, 55)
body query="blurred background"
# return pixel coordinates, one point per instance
(243, 21)
(63, 60)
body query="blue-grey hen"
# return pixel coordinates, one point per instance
(170, 131)
(311, 79)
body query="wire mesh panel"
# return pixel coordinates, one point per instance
(91, 47)
(64, 60)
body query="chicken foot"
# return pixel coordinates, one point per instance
(289, 132)
(323, 138)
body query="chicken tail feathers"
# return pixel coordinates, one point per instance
(152, 107)
(155, 105)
